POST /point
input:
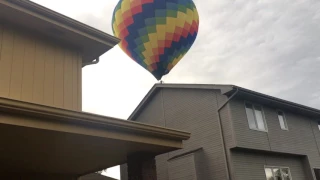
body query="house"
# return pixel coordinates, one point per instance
(236, 134)
(43, 132)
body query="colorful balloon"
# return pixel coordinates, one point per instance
(156, 33)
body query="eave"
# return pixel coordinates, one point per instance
(40, 20)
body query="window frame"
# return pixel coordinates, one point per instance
(255, 120)
(284, 120)
(279, 167)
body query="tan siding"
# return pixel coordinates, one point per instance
(67, 79)
(58, 77)
(75, 81)
(79, 82)
(49, 76)
(6, 61)
(39, 71)
(28, 70)
(17, 66)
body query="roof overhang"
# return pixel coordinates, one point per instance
(41, 139)
(228, 90)
(50, 24)
(274, 102)
(158, 86)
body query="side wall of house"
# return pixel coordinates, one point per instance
(301, 138)
(195, 111)
(36, 70)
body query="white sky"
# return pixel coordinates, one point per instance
(270, 46)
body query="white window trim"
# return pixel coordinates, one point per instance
(285, 120)
(263, 116)
(280, 171)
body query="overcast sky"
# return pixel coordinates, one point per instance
(270, 46)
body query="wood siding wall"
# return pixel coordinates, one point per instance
(38, 71)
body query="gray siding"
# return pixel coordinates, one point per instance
(195, 111)
(153, 112)
(250, 165)
(182, 168)
(123, 172)
(243, 135)
(302, 137)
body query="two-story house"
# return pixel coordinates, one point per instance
(236, 134)
(44, 134)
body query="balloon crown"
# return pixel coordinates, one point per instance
(156, 34)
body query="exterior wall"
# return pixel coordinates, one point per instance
(250, 165)
(302, 137)
(182, 168)
(193, 111)
(38, 71)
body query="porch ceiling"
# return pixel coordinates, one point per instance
(42, 139)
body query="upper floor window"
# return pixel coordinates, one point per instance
(277, 173)
(255, 117)
(282, 120)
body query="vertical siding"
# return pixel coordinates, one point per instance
(38, 71)
(28, 69)
(17, 66)
(79, 85)
(250, 165)
(6, 60)
(49, 76)
(58, 84)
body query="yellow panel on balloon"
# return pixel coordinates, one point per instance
(161, 32)
(153, 39)
(171, 24)
(119, 18)
(181, 19)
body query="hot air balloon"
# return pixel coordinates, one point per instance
(156, 33)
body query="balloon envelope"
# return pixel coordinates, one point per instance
(156, 33)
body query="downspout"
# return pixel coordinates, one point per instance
(96, 61)
(223, 138)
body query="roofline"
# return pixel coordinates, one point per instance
(278, 100)
(37, 9)
(104, 122)
(225, 89)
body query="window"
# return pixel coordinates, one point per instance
(277, 173)
(319, 125)
(255, 117)
(282, 120)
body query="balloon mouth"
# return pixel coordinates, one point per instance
(158, 75)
